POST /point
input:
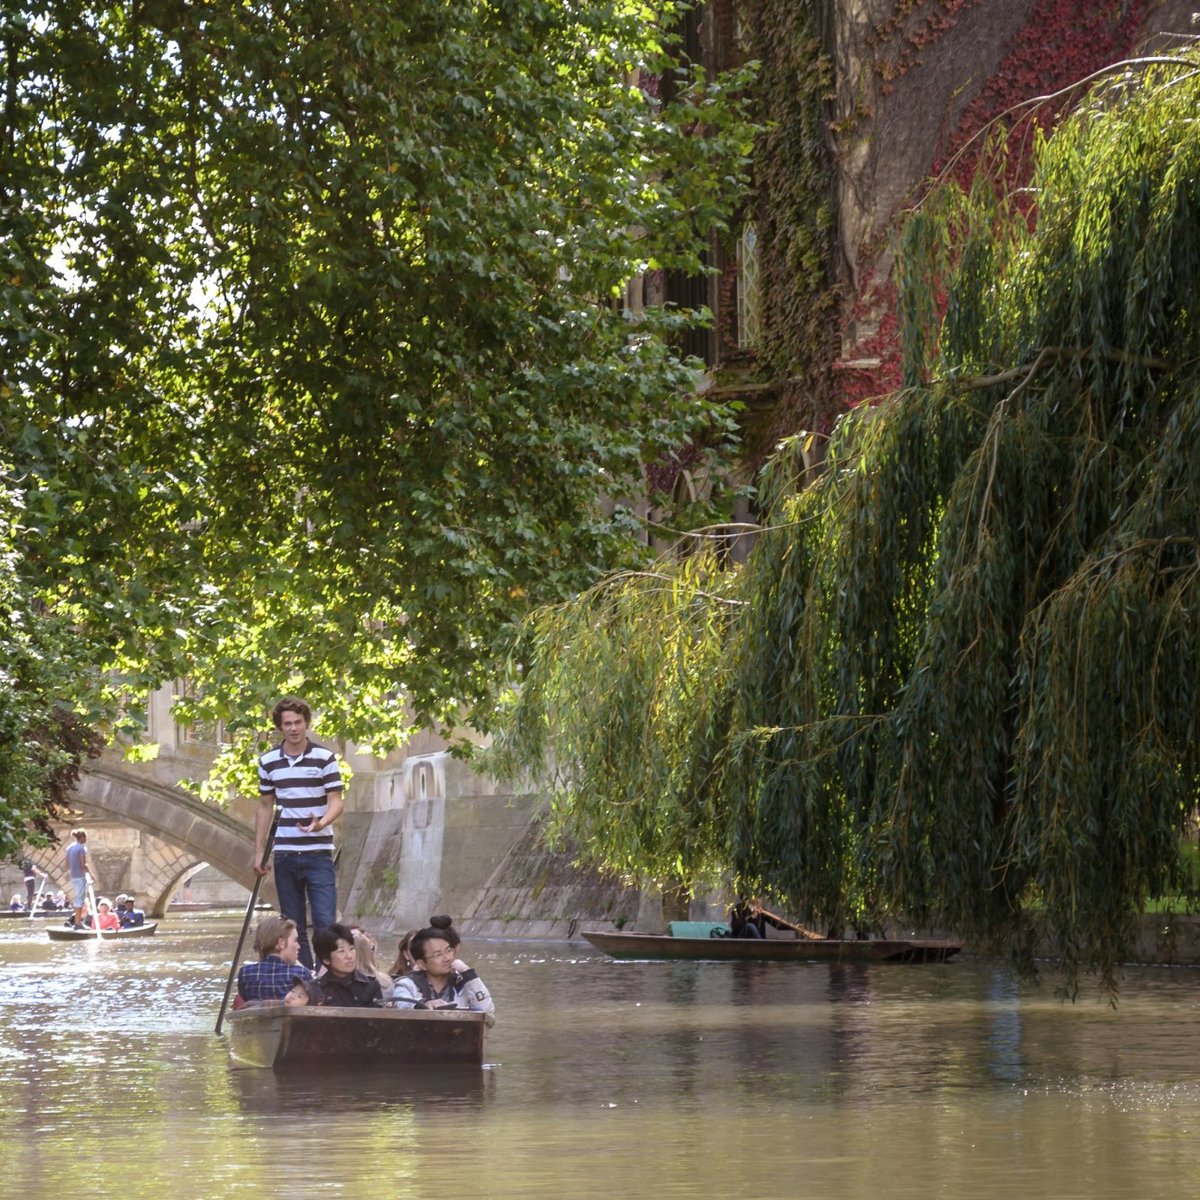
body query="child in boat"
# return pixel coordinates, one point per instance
(303, 993)
(440, 978)
(342, 983)
(270, 979)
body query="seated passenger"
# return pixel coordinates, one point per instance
(16, 904)
(127, 914)
(342, 983)
(303, 993)
(270, 979)
(106, 918)
(366, 949)
(404, 959)
(748, 920)
(404, 962)
(439, 979)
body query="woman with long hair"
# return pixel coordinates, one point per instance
(366, 961)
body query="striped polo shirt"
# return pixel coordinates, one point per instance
(301, 786)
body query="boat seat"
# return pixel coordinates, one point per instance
(697, 929)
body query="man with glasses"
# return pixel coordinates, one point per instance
(440, 979)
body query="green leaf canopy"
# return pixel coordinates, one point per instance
(315, 363)
(49, 692)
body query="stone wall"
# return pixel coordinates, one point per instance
(442, 839)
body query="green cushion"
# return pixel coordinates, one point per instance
(695, 929)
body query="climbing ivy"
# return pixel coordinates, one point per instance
(955, 678)
(793, 206)
(1061, 43)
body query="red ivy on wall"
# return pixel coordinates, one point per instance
(913, 25)
(1062, 43)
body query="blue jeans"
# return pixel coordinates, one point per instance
(306, 876)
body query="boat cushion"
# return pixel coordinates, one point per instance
(698, 929)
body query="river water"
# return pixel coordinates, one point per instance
(604, 1079)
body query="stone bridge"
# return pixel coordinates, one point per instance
(422, 833)
(183, 832)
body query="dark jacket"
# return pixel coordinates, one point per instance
(352, 991)
(741, 918)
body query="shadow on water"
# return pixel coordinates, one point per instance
(308, 1091)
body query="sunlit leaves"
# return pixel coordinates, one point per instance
(314, 375)
(50, 691)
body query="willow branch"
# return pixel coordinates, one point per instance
(1034, 102)
(1049, 354)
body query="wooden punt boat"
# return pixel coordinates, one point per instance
(64, 933)
(61, 913)
(662, 945)
(282, 1036)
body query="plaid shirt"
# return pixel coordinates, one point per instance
(270, 979)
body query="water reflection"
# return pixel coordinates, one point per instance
(750, 1079)
(1004, 1030)
(461, 1090)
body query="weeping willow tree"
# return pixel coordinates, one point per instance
(956, 677)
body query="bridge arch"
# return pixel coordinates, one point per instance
(198, 832)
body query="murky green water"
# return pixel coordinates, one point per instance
(604, 1079)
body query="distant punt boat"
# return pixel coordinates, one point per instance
(41, 912)
(64, 933)
(280, 1036)
(662, 945)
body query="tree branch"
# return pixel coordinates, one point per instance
(1049, 354)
